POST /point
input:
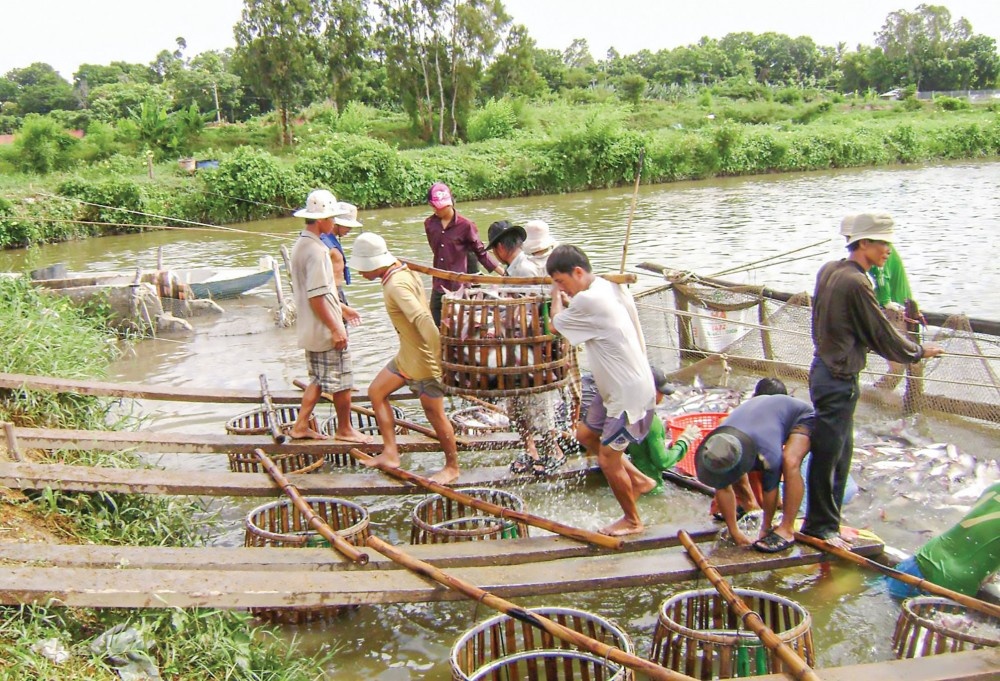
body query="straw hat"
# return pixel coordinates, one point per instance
(348, 215)
(873, 226)
(320, 204)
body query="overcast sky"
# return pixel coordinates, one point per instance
(66, 33)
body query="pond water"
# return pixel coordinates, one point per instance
(947, 216)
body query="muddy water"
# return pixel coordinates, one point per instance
(947, 220)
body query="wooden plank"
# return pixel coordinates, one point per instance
(36, 476)
(155, 392)
(187, 443)
(144, 588)
(969, 665)
(458, 554)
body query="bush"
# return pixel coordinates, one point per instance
(266, 186)
(355, 119)
(368, 172)
(951, 103)
(100, 201)
(495, 120)
(43, 146)
(788, 95)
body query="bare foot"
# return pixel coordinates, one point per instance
(353, 435)
(384, 460)
(848, 534)
(643, 484)
(838, 542)
(622, 527)
(306, 434)
(445, 475)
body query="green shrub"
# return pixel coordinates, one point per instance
(114, 200)
(265, 185)
(951, 103)
(495, 120)
(43, 146)
(788, 95)
(99, 142)
(812, 112)
(355, 119)
(365, 171)
(911, 104)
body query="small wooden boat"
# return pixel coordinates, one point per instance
(224, 282)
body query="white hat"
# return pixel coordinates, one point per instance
(874, 226)
(370, 253)
(319, 205)
(539, 238)
(348, 215)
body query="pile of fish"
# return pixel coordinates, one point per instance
(971, 624)
(478, 420)
(694, 399)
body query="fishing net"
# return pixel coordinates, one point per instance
(700, 326)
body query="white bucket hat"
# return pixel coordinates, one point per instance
(370, 253)
(874, 226)
(538, 237)
(320, 204)
(348, 215)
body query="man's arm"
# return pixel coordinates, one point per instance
(726, 499)
(475, 244)
(878, 333)
(331, 318)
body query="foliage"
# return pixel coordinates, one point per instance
(266, 186)
(40, 89)
(632, 87)
(951, 103)
(495, 120)
(355, 119)
(115, 101)
(112, 200)
(42, 145)
(368, 171)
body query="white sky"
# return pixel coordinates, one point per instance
(66, 33)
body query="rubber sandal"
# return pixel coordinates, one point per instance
(547, 465)
(523, 464)
(772, 542)
(739, 514)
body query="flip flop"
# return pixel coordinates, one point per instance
(772, 542)
(547, 465)
(523, 464)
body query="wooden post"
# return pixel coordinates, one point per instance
(159, 258)
(270, 413)
(12, 446)
(631, 212)
(288, 266)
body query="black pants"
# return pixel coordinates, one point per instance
(436, 297)
(832, 446)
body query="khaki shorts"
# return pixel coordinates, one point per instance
(431, 387)
(333, 370)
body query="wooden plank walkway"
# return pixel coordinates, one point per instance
(458, 554)
(969, 665)
(123, 587)
(150, 442)
(37, 476)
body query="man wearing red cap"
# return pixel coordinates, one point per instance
(452, 238)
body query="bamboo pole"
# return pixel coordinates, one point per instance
(576, 533)
(631, 212)
(12, 446)
(317, 523)
(501, 281)
(272, 416)
(410, 425)
(930, 587)
(796, 665)
(485, 405)
(616, 655)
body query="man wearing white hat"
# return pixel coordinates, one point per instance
(320, 325)
(847, 322)
(418, 362)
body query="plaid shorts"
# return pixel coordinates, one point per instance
(431, 387)
(333, 370)
(616, 432)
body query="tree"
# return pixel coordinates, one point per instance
(577, 55)
(632, 87)
(916, 39)
(207, 82)
(346, 48)
(278, 51)
(40, 89)
(513, 72)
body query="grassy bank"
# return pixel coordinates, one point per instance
(523, 149)
(43, 335)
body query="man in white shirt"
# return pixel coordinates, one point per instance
(602, 317)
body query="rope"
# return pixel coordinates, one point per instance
(157, 227)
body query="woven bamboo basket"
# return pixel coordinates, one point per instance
(440, 520)
(256, 421)
(699, 635)
(294, 462)
(920, 633)
(364, 423)
(501, 346)
(505, 648)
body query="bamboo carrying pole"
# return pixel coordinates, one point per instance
(488, 280)
(796, 665)
(631, 212)
(272, 416)
(409, 425)
(336, 541)
(968, 601)
(616, 655)
(493, 509)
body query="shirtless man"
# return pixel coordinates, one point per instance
(342, 225)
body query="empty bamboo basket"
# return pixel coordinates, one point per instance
(256, 421)
(280, 523)
(440, 520)
(930, 625)
(293, 462)
(366, 424)
(500, 345)
(505, 648)
(699, 635)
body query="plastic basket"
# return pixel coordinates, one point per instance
(706, 422)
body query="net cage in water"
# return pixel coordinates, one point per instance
(931, 625)
(257, 421)
(698, 634)
(366, 424)
(500, 344)
(506, 648)
(767, 333)
(441, 520)
(280, 523)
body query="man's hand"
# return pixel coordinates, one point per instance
(351, 316)
(690, 434)
(932, 350)
(339, 338)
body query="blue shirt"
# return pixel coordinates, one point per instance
(332, 242)
(768, 420)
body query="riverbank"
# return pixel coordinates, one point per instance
(558, 149)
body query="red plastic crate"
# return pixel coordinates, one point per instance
(706, 421)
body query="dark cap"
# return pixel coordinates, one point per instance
(723, 456)
(500, 229)
(660, 381)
